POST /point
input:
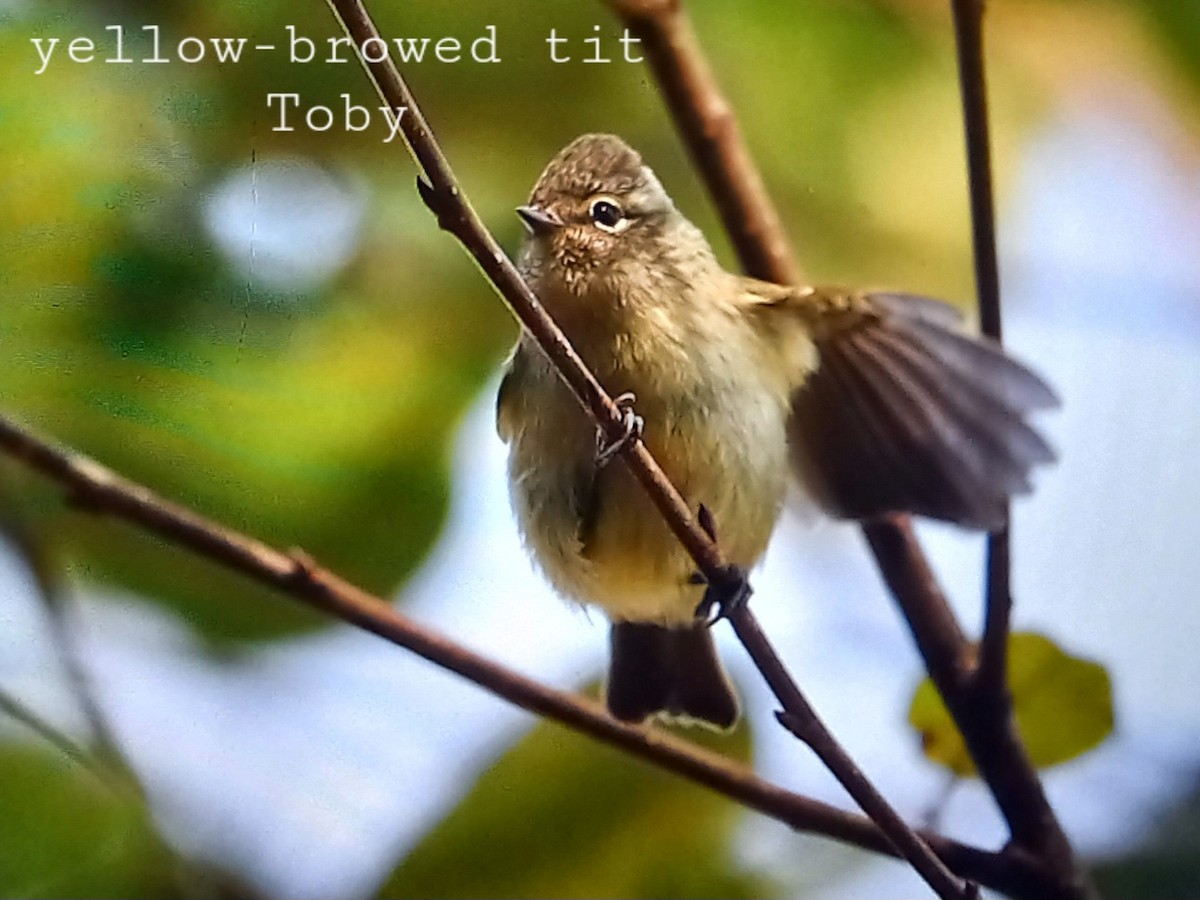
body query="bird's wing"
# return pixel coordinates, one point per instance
(906, 413)
(507, 395)
(512, 410)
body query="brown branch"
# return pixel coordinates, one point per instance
(706, 122)
(711, 134)
(800, 719)
(99, 490)
(456, 215)
(992, 674)
(991, 737)
(987, 697)
(442, 194)
(990, 734)
(968, 37)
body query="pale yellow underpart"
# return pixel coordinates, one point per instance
(713, 378)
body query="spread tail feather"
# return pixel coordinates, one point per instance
(668, 671)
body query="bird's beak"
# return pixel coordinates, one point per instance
(539, 221)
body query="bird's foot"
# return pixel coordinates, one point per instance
(724, 596)
(633, 426)
(729, 591)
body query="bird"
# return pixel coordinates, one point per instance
(874, 402)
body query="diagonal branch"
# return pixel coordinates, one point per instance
(710, 132)
(455, 214)
(56, 602)
(702, 114)
(97, 489)
(992, 740)
(102, 753)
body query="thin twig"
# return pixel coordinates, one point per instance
(44, 569)
(56, 604)
(992, 673)
(455, 214)
(19, 712)
(675, 57)
(992, 740)
(100, 491)
(115, 774)
(968, 36)
(1025, 808)
(801, 720)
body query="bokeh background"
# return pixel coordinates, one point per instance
(268, 327)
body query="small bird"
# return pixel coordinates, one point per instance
(876, 402)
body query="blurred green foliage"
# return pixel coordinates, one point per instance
(65, 833)
(560, 815)
(70, 830)
(1063, 707)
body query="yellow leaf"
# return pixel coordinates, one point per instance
(1063, 707)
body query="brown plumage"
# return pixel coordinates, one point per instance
(877, 402)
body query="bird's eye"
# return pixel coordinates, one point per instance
(607, 215)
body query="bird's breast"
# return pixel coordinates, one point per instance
(715, 421)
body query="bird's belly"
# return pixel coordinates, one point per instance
(731, 459)
(725, 450)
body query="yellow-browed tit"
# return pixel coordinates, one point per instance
(877, 402)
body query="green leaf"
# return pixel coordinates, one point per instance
(560, 815)
(1063, 707)
(64, 833)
